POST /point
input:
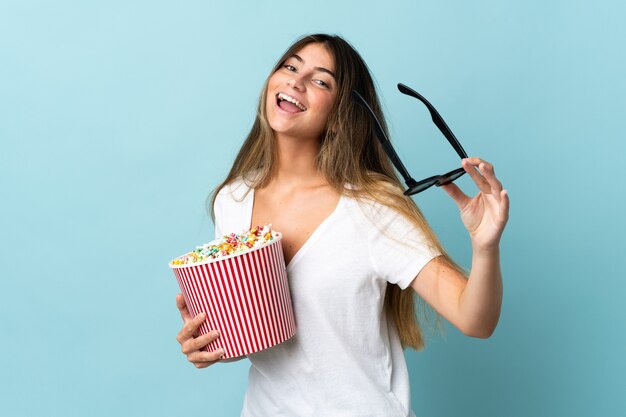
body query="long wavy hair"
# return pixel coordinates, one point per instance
(349, 153)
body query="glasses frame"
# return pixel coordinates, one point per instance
(415, 187)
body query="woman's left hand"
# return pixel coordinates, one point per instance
(486, 214)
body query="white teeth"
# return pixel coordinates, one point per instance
(290, 99)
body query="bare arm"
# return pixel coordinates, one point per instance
(471, 304)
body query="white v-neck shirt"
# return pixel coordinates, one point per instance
(345, 358)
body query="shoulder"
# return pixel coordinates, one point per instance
(398, 243)
(232, 205)
(368, 208)
(379, 220)
(235, 191)
(231, 199)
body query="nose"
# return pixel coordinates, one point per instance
(296, 83)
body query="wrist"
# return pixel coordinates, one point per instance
(485, 251)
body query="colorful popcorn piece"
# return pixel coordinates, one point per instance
(228, 245)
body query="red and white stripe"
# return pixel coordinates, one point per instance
(246, 297)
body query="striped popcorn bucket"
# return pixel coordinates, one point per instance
(245, 296)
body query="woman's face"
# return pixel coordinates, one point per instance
(301, 93)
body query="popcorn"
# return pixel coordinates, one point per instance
(228, 245)
(241, 286)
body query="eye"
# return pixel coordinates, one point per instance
(289, 67)
(321, 83)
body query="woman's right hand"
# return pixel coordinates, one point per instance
(191, 345)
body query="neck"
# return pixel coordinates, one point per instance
(296, 165)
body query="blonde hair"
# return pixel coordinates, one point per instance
(349, 154)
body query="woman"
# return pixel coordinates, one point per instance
(356, 249)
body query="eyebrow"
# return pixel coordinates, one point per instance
(322, 69)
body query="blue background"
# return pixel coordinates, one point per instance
(117, 118)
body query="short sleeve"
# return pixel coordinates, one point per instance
(398, 249)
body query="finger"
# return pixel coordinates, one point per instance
(459, 197)
(504, 206)
(202, 356)
(206, 363)
(488, 172)
(469, 165)
(200, 365)
(182, 308)
(194, 344)
(190, 327)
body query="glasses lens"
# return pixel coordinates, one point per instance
(448, 177)
(422, 185)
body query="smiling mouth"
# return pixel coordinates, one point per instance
(289, 104)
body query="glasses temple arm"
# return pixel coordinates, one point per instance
(437, 119)
(384, 140)
(443, 127)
